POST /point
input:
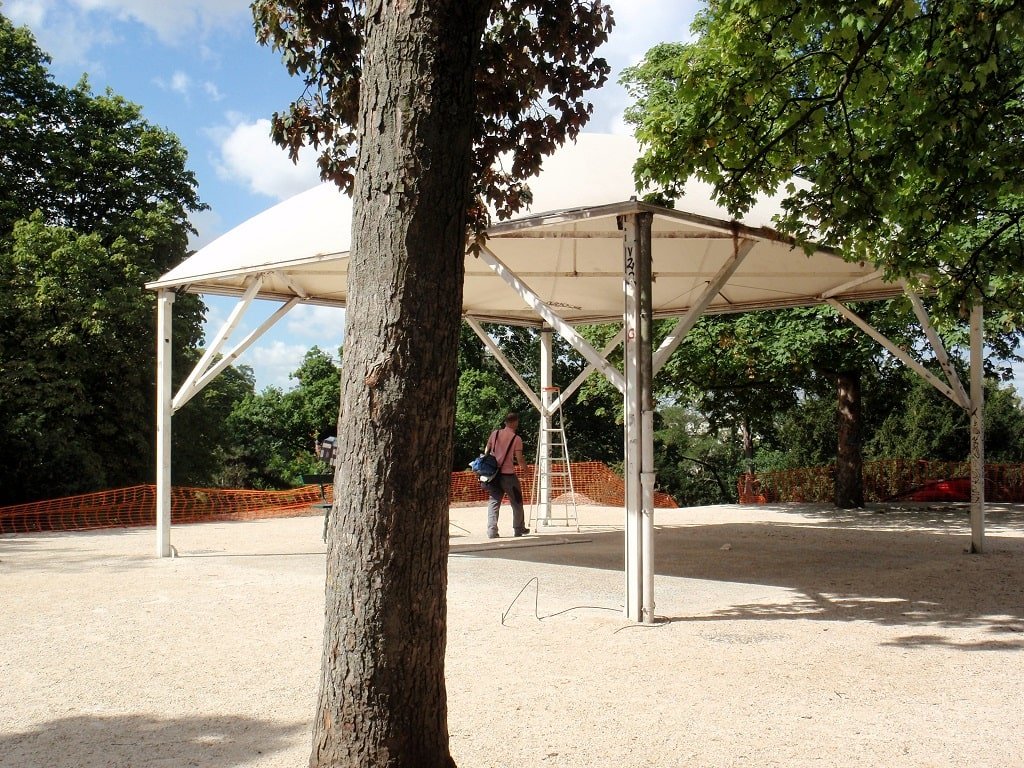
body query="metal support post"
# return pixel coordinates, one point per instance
(977, 428)
(544, 436)
(631, 423)
(639, 535)
(646, 378)
(164, 411)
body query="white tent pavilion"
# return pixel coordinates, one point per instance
(587, 252)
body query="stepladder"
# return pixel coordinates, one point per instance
(554, 495)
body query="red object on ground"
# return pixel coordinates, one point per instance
(957, 489)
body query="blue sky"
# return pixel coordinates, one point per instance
(195, 68)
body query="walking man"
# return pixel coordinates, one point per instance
(507, 447)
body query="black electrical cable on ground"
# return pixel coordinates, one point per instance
(536, 604)
(536, 600)
(659, 621)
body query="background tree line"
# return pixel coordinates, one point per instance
(747, 392)
(94, 201)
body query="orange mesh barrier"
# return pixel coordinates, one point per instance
(887, 480)
(594, 483)
(125, 507)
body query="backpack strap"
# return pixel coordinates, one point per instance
(511, 444)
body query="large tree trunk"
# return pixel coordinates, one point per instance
(849, 460)
(748, 443)
(382, 695)
(747, 490)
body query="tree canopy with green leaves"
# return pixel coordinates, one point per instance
(94, 201)
(893, 128)
(88, 162)
(274, 433)
(534, 64)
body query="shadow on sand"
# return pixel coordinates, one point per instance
(839, 567)
(136, 740)
(36, 552)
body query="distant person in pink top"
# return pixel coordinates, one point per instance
(507, 447)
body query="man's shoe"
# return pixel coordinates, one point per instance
(522, 532)
(492, 535)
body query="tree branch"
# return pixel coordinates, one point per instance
(863, 48)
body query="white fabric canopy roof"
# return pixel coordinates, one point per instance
(567, 249)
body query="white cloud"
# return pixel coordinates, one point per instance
(212, 91)
(29, 12)
(639, 26)
(273, 362)
(620, 127)
(322, 326)
(70, 29)
(181, 83)
(171, 21)
(62, 32)
(250, 158)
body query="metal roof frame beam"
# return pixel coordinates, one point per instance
(211, 352)
(687, 321)
(495, 350)
(898, 352)
(585, 373)
(184, 395)
(937, 345)
(849, 285)
(552, 318)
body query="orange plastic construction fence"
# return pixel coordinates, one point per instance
(136, 506)
(593, 483)
(886, 480)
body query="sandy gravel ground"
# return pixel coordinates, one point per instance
(790, 636)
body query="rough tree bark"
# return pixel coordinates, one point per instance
(382, 698)
(748, 444)
(748, 456)
(849, 459)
